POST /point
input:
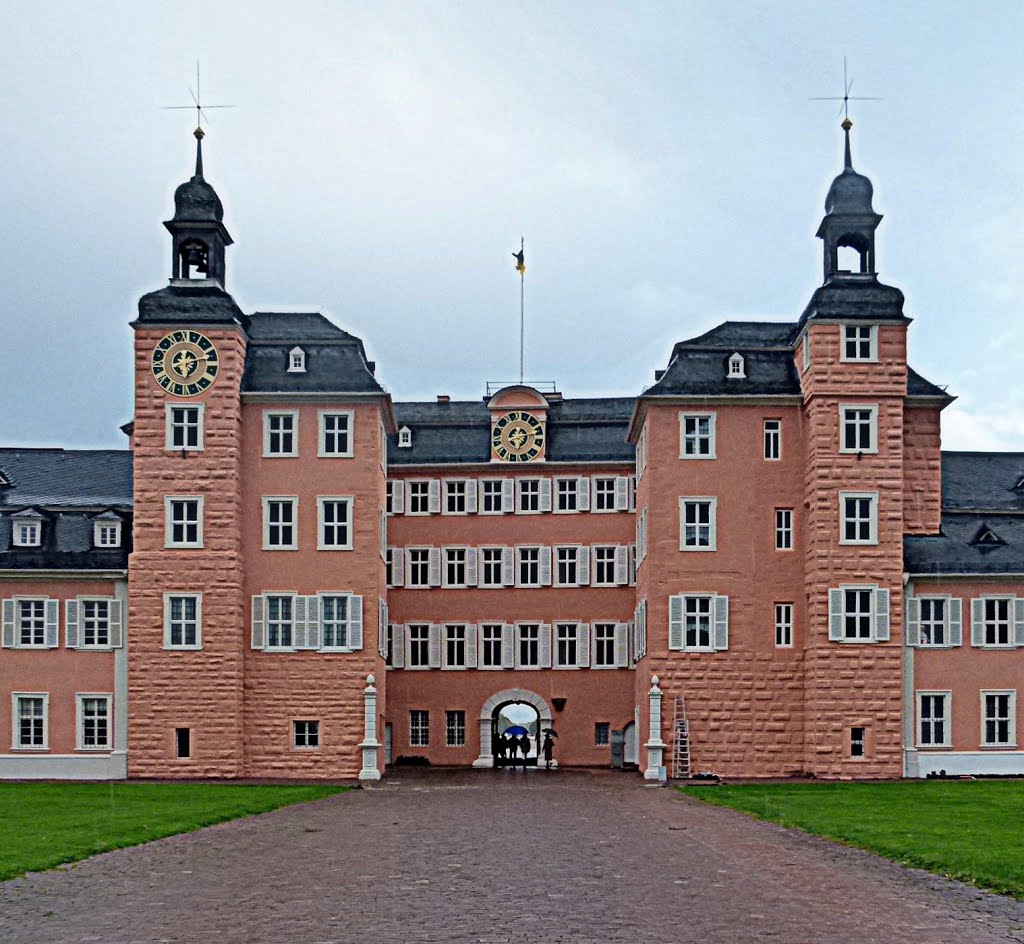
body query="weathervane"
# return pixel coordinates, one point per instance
(198, 106)
(846, 97)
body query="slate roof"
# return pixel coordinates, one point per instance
(853, 297)
(984, 481)
(203, 302)
(584, 430)
(67, 544)
(954, 551)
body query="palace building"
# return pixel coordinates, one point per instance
(761, 566)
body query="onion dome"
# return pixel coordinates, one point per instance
(196, 199)
(850, 192)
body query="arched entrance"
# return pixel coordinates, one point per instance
(515, 735)
(491, 714)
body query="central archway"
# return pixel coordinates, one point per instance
(486, 758)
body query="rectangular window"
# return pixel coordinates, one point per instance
(604, 646)
(529, 495)
(641, 453)
(996, 622)
(419, 567)
(280, 434)
(305, 735)
(933, 719)
(454, 646)
(490, 638)
(529, 566)
(783, 529)
(491, 497)
(784, 625)
(529, 645)
(858, 612)
(999, 714)
(859, 518)
(279, 524)
(858, 428)
(491, 559)
(567, 566)
(335, 434)
(95, 624)
(602, 733)
(933, 621)
(184, 427)
(860, 343)
(106, 533)
(641, 535)
(30, 722)
(279, 621)
(31, 623)
(697, 524)
(697, 433)
(182, 743)
(93, 723)
(334, 527)
(455, 729)
(604, 494)
(773, 439)
(419, 646)
(697, 622)
(455, 566)
(567, 637)
(567, 496)
(419, 728)
(27, 534)
(455, 496)
(858, 741)
(183, 522)
(604, 566)
(183, 620)
(418, 498)
(335, 613)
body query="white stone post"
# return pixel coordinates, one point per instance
(370, 744)
(655, 746)
(486, 758)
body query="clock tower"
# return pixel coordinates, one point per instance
(518, 425)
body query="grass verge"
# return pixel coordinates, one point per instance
(968, 830)
(43, 825)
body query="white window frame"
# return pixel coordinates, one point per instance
(876, 633)
(640, 456)
(772, 440)
(606, 493)
(429, 489)
(321, 500)
(538, 495)
(784, 625)
(481, 566)
(556, 661)
(168, 597)
(50, 618)
(1014, 621)
(947, 719)
(451, 490)
(613, 562)
(641, 536)
(1011, 741)
(784, 529)
(426, 640)
(718, 617)
(81, 601)
(872, 519)
(712, 526)
(872, 340)
(697, 437)
(169, 541)
(322, 433)
(575, 491)
(503, 631)
(170, 426)
(595, 644)
(267, 647)
(16, 722)
(293, 500)
(350, 607)
(580, 551)
(467, 630)
(80, 744)
(26, 532)
(405, 438)
(952, 620)
(519, 582)
(446, 560)
(872, 425)
(736, 367)
(519, 627)
(281, 454)
(296, 361)
(99, 537)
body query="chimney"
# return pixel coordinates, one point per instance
(443, 398)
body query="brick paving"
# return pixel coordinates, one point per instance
(495, 857)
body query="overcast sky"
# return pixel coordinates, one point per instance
(663, 162)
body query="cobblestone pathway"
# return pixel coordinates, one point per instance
(498, 856)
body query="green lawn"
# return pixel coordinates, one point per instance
(45, 824)
(969, 830)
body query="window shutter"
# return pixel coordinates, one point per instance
(471, 566)
(1018, 621)
(407, 564)
(116, 617)
(621, 565)
(398, 497)
(622, 493)
(631, 638)
(675, 622)
(544, 646)
(299, 622)
(545, 503)
(471, 636)
(52, 624)
(398, 646)
(956, 621)
(8, 624)
(583, 566)
(545, 566)
(508, 496)
(397, 567)
(471, 503)
(583, 493)
(434, 496)
(835, 614)
(631, 565)
(621, 645)
(355, 622)
(71, 624)
(259, 639)
(977, 622)
(583, 646)
(508, 646)
(632, 493)
(434, 567)
(881, 614)
(313, 639)
(508, 566)
(913, 620)
(721, 623)
(434, 650)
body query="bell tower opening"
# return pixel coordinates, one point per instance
(194, 254)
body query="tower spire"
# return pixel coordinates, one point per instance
(848, 161)
(200, 134)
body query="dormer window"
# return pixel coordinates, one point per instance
(736, 370)
(27, 531)
(860, 343)
(986, 537)
(106, 533)
(296, 361)
(1019, 487)
(405, 438)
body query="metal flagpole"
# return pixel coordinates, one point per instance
(522, 316)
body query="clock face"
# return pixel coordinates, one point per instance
(185, 363)
(517, 437)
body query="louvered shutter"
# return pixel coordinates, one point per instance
(313, 635)
(675, 622)
(721, 623)
(545, 566)
(71, 624)
(116, 623)
(977, 622)
(881, 614)
(398, 645)
(508, 646)
(434, 496)
(583, 493)
(259, 635)
(631, 566)
(545, 495)
(8, 624)
(398, 497)
(621, 646)
(956, 621)
(397, 567)
(471, 637)
(434, 649)
(508, 496)
(583, 646)
(631, 636)
(621, 565)
(913, 620)
(1018, 621)
(622, 493)
(471, 495)
(583, 566)
(544, 646)
(52, 624)
(631, 488)
(471, 566)
(508, 566)
(835, 614)
(355, 622)
(434, 567)
(407, 562)
(299, 622)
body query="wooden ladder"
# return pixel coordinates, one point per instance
(680, 742)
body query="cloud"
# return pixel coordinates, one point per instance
(993, 429)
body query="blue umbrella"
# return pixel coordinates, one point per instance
(516, 730)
